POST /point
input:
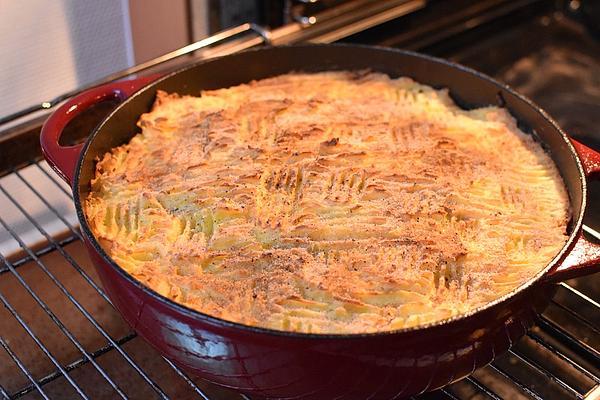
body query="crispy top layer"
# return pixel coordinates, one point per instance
(333, 202)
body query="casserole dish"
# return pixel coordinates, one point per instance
(292, 365)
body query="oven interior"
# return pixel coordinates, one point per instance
(61, 338)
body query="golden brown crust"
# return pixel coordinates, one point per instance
(332, 202)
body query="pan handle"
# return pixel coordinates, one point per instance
(63, 159)
(584, 257)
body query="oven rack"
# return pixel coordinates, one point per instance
(568, 363)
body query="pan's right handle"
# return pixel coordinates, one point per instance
(63, 159)
(584, 257)
(590, 159)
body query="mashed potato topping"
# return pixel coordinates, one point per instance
(334, 202)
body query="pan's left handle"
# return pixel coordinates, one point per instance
(584, 257)
(63, 159)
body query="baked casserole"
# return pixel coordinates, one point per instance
(333, 202)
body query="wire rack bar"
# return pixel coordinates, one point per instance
(449, 394)
(60, 325)
(577, 316)
(54, 179)
(533, 364)
(44, 349)
(187, 379)
(517, 382)
(579, 294)
(591, 231)
(559, 333)
(483, 388)
(85, 313)
(78, 235)
(73, 365)
(42, 251)
(535, 337)
(24, 370)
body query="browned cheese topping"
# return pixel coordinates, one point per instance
(337, 202)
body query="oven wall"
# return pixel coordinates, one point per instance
(159, 26)
(50, 47)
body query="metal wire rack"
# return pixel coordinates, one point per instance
(61, 337)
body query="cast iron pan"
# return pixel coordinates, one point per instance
(292, 365)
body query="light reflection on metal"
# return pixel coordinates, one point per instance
(591, 231)
(304, 21)
(574, 5)
(332, 24)
(217, 37)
